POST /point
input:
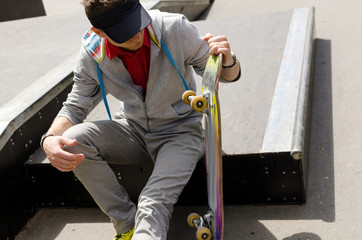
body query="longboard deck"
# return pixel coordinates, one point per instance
(210, 225)
(210, 86)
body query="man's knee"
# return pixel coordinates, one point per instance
(78, 132)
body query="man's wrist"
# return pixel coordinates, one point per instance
(234, 61)
(44, 136)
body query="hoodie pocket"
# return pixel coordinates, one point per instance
(181, 108)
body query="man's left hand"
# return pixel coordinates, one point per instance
(217, 45)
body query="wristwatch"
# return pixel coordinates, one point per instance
(44, 136)
(234, 58)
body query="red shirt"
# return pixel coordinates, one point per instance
(137, 63)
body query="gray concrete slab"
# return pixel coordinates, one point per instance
(333, 210)
(258, 42)
(30, 48)
(56, 7)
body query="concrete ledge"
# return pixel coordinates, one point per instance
(265, 111)
(286, 123)
(30, 101)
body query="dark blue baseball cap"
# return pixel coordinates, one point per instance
(122, 22)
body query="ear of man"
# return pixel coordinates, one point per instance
(99, 32)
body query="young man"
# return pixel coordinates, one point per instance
(123, 48)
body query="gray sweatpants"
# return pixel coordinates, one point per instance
(175, 153)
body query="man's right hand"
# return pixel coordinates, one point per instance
(60, 159)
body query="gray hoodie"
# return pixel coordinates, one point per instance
(161, 107)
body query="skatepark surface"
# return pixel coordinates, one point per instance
(332, 210)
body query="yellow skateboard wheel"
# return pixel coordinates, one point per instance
(199, 103)
(186, 96)
(203, 234)
(191, 218)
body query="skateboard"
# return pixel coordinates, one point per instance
(210, 225)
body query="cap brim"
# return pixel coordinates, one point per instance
(129, 26)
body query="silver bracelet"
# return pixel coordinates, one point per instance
(43, 137)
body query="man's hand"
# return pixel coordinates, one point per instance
(220, 44)
(60, 159)
(217, 45)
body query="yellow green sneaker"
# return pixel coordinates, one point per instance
(125, 236)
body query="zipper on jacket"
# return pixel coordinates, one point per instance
(142, 99)
(147, 118)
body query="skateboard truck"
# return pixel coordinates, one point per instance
(198, 103)
(203, 225)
